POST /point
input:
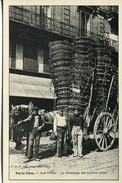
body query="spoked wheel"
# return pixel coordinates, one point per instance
(105, 131)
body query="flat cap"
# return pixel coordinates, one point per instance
(35, 108)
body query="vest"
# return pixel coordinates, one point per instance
(35, 122)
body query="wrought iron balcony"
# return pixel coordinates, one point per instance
(33, 19)
(109, 9)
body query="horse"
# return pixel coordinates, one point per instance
(18, 131)
(21, 112)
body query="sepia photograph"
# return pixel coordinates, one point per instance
(63, 92)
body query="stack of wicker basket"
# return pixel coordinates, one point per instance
(103, 78)
(60, 61)
(83, 62)
(72, 68)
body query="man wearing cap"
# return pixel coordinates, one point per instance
(35, 125)
(60, 131)
(76, 123)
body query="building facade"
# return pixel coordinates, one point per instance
(31, 28)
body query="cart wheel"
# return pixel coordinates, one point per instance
(105, 131)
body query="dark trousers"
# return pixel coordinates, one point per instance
(33, 137)
(61, 141)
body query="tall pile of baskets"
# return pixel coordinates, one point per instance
(60, 53)
(83, 62)
(72, 68)
(104, 73)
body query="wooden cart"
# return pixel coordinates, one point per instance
(105, 128)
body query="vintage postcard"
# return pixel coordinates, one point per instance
(61, 98)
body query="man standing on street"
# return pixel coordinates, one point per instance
(34, 127)
(60, 125)
(76, 123)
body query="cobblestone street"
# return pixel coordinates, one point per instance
(94, 165)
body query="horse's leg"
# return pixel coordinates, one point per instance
(27, 141)
(15, 136)
(11, 133)
(18, 139)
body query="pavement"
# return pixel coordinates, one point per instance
(94, 165)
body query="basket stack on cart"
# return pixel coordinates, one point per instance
(85, 77)
(103, 79)
(83, 62)
(60, 68)
(76, 67)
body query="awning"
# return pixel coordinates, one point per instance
(29, 86)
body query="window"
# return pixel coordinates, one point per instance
(85, 21)
(43, 59)
(114, 26)
(46, 60)
(45, 11)
(30, 57)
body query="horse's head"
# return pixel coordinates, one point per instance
(18, 113)
(15, 112)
